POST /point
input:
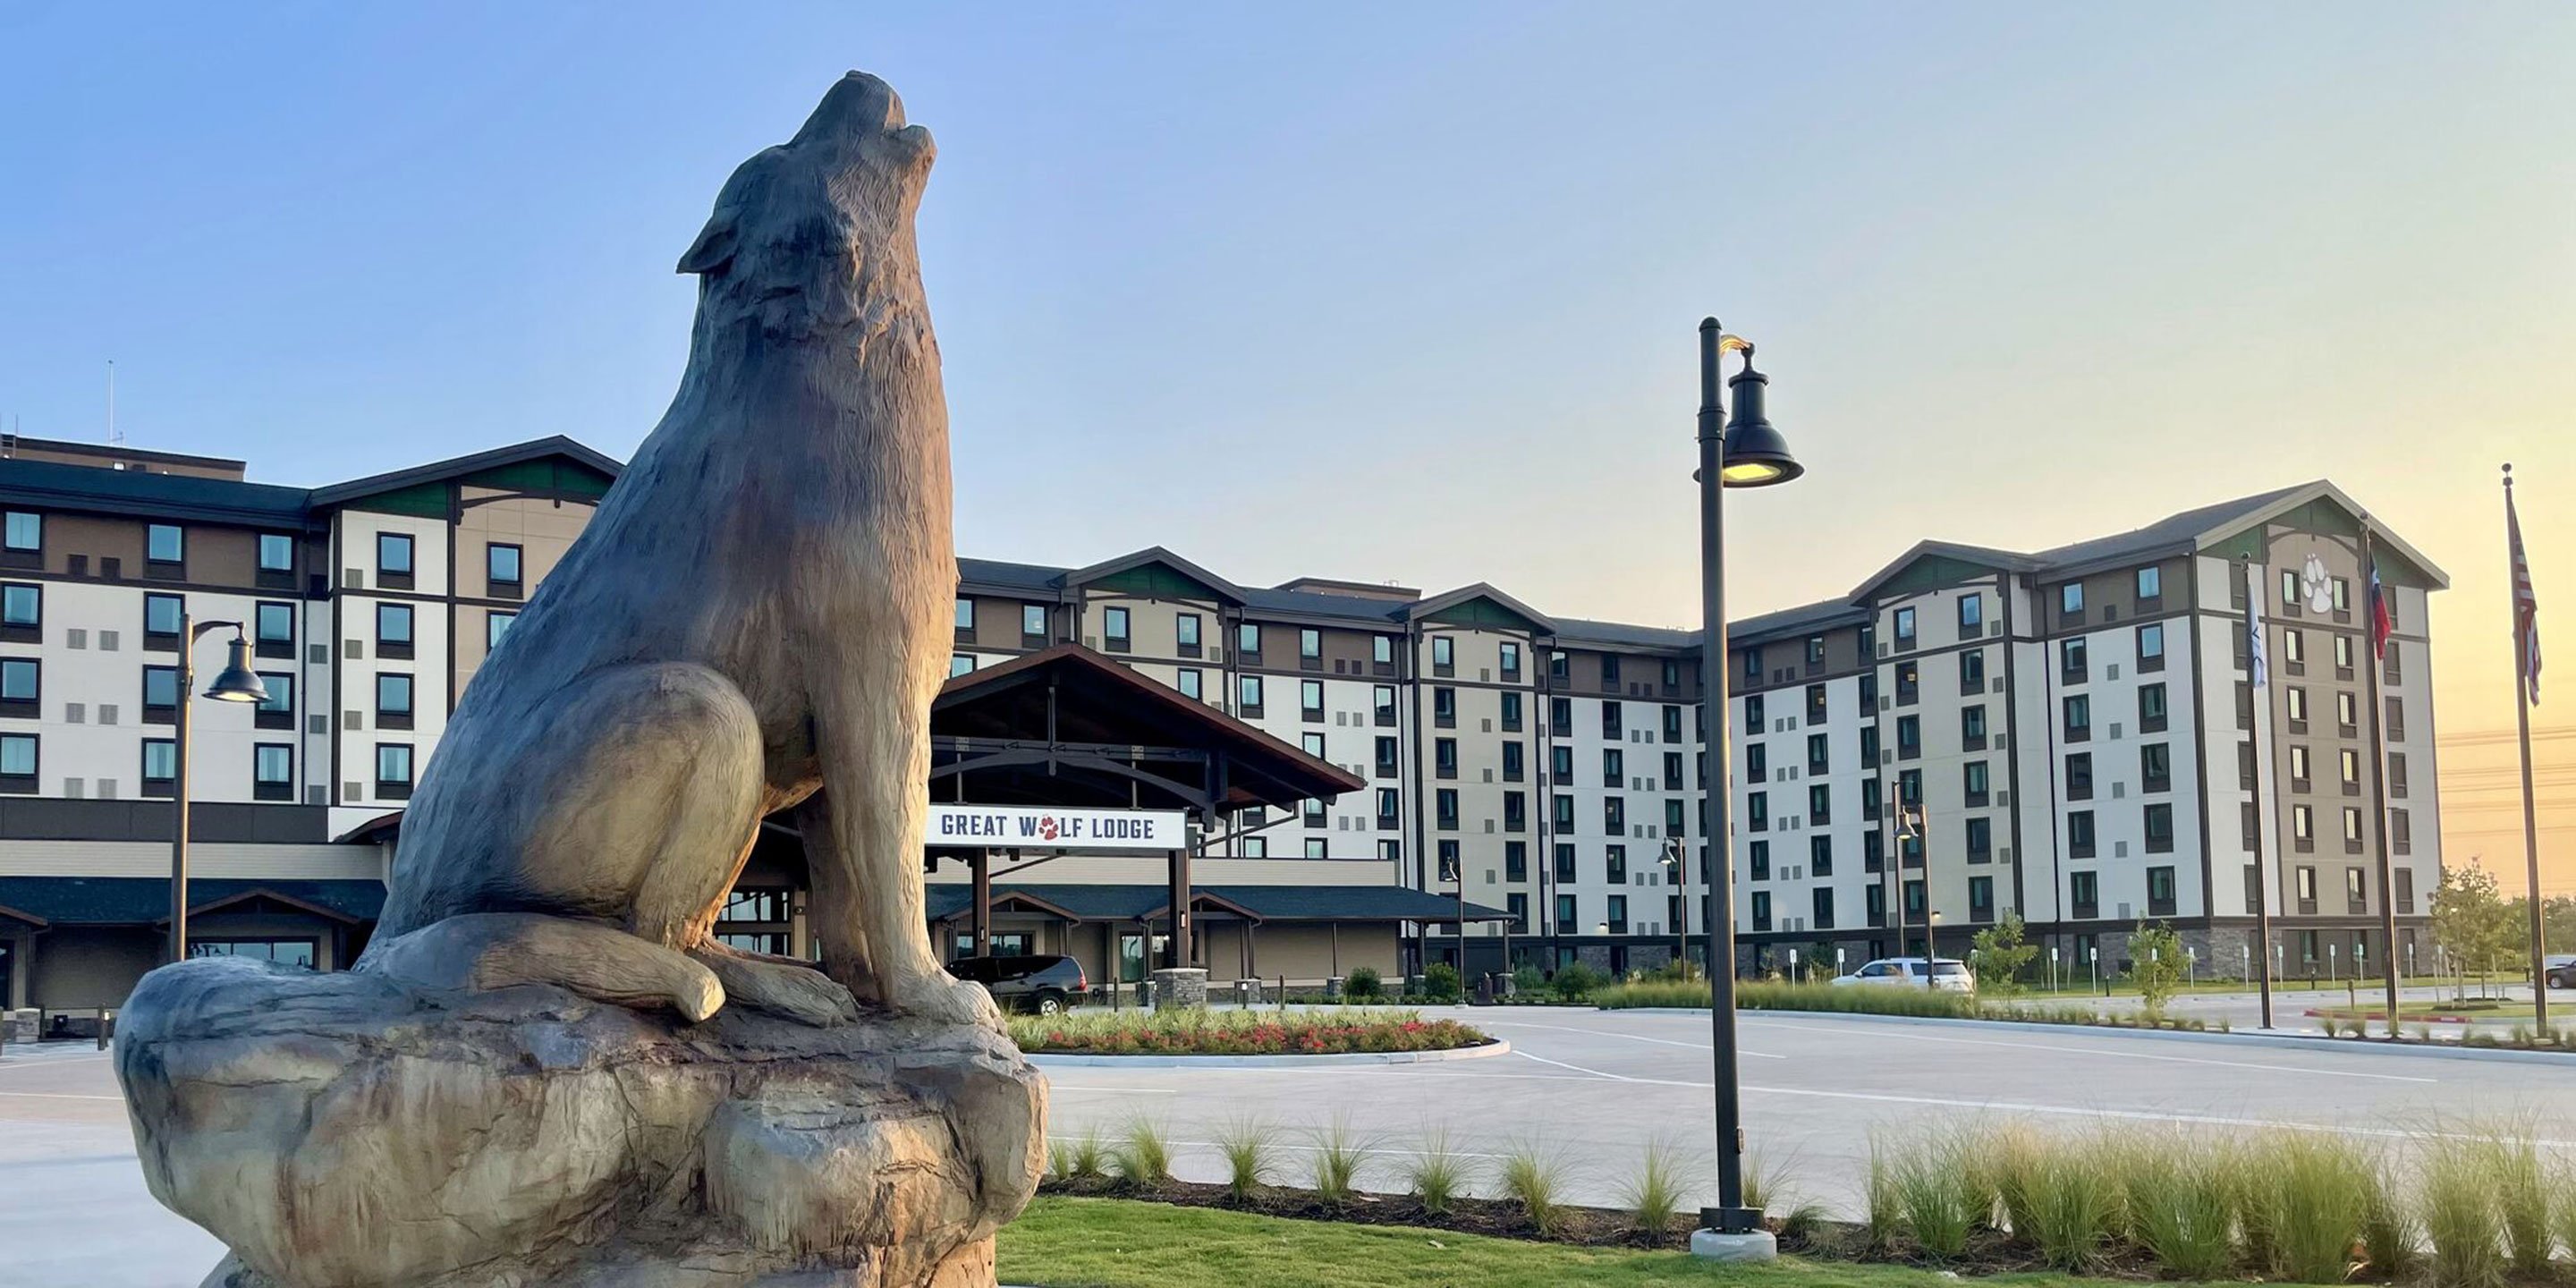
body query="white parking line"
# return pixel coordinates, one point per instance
(2107, 1053)
(1632, 1037)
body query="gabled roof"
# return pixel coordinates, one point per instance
(2270, 505)
(1978, 556)
(1442, 603)
(1011, 578)
(1806, 619)
(1150, 556)
(55, 485)
(2173, 534)
(1576, 632)
(535, 449)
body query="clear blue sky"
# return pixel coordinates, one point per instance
(1380, 291)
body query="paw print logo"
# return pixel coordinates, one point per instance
(2314, 584)
(1047, 828)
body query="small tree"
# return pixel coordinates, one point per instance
(2001, 955)
(1440, 982)
(2155, 965)
(1574, 981)
(2472, 922)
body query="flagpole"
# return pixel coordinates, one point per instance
(2255, 668)
(2379, 783)
(2522, 627)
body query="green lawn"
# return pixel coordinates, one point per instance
(1064, 1242)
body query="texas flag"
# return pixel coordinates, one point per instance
(2379, 621)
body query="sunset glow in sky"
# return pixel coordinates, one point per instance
(1401, 292)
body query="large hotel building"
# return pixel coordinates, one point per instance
(2077, 726)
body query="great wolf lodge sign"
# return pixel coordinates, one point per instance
(1001, 827)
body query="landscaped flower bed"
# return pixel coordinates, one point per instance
(1340, 1031)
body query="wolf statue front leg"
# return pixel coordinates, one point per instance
(863, 844)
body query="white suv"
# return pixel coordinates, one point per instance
(1948, 975)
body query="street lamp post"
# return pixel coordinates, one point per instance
(1745, 453)
(235, 683)
(1677, 858)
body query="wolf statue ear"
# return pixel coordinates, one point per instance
(714, 247)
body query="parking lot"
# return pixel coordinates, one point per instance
(1596, 1086)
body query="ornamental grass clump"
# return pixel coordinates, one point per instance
(2522, 1187)
(1436, 1176)
(1535, 1176)
(1653, 1193)
(1249, 1147)
(2076, 1206)
(1930, 1180)
(1082, 1159)
(2301, 1198)
(2391, 1239)
(1338, 1152)
(2181, 1202)
(1142, 1156)
(2464, 1217)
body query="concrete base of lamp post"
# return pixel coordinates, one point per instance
(1734, 1249)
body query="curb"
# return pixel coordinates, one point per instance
(2285, 1041)
(1066, 1060)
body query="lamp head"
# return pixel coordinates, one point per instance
(1755, 453)
(237, 682)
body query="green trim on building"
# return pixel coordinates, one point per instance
(553, 476)
(423, 500)
(1934, 572)
(1156, 581)
(1482, 613)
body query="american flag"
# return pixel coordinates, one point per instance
(2526, 606)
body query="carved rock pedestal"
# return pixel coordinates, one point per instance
(341, 1130)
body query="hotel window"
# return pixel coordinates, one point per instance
(22, 611)
(1313, 745)
(1558, 668)
(1185, 631)
(26, 531)
(1820, 751)
(1310, 700)
(1515, 762)
(393, 630)
(2342, 594)
(1566, 922)
(1873, 898)
(2298, 769)
(2294, 646)
(2073, 662)
(1511, 660)
(1310, 645)
(2297, 700)
(1752, 713)
(2352, 830)
(1672, 676)
(2160, 892)
(959, 664)
(2079, 834)
(1618, 913)
(1033, 623)
(1511, 712)
(2070, 598)
(2397, 775)
(1672, 771)
(2079, 776)
(1389, 807)
(1615, 858)
(2155, 767)
(1758, 861)
(161, 615)
(2151, 647)
(2356, 891)
(2084, 890)
(1674, 820)
(277, 709)
(1388, 758)
(1444, 708)
(1613, 768)
(1820, 856)
(1757, 763)
(1562, 810)
(496, 625)
(1972, 614)
(1248, 694)
(272, 772)
(1192, 683)
(1444, 655)
(1873, 851)
(1515, 855)
(1382, 702)
(1315, 847)
(165, 543)
(1256, 847)
(393, 700)
(2290, 588)
(501, 566)
(2347, 713)
(1909, 787)
(1905, 627)
(273, 629)
(1815, 704)
(1914, 900)
(2303, 829)
(2151, 708)
(393, 555)
(1445, 807)
(1610, 724)
(18, 762)
(160, 766)
(21, 686)
(2401, 833)
(2151, 583)
(1909, 737)
(1560, 764)
(2079, 718)
(1757, 812)
(1614, 816)
(1672, 724)
(276, 552)
(1820, 805)
(1972, 671)
(2343, 653)
(1972, 726)
(393, 768)
(1752, 664)
(1247, 640)
(1382, 650)
(1974, 780)
(1609, 670)
(1115, 631)
(2351, 772)
(1981, 895)
(160, 693)
(1444, 757)
(965, 611)
(1815, 657)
